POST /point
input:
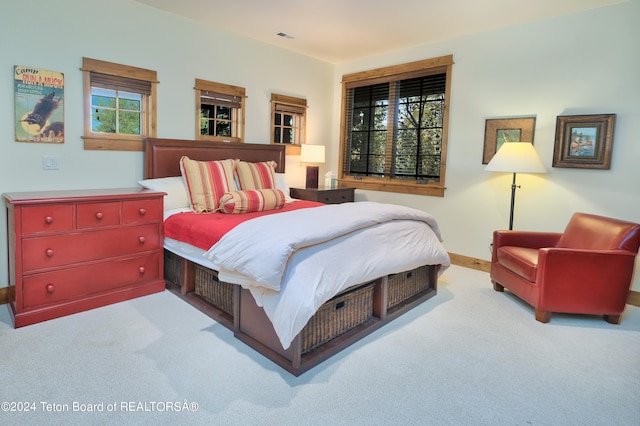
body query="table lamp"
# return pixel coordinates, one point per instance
(312, 154)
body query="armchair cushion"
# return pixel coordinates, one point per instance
(520, 260)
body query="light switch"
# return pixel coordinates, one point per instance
(50, 162)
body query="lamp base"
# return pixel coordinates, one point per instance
(513, 201)
(312, 177)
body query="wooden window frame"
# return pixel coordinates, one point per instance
(238, 115)
(394, 73)
(298, 108)
(149, 109)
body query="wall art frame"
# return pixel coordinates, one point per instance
(39, 105)
(584, 141)
(500, 130)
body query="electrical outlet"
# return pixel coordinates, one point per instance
(50, 162)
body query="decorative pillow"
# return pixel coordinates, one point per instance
(177, 195)
(207, 181)
(282, 185)
(253, 200)
(256, 175)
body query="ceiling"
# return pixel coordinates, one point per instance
(339, 30)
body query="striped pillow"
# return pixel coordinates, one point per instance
(256, 175)
(253, 200)
(207, 181)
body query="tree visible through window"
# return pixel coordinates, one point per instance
(114, 111)
(120, 105)
(394, 127)
(220, 111)
(288, 121)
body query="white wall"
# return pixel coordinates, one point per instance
(55, 35)
(584, 63)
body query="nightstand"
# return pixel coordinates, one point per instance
(324, 195)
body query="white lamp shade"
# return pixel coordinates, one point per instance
(312, 154)
(516, 157)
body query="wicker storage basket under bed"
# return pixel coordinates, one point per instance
(407, 284)
(214, 291)
(337, 316)
(172, 267)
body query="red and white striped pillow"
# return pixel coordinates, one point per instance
(256, 175)
(207, 181)
(253, 200)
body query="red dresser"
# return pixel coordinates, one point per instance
(71, 251)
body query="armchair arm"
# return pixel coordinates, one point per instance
(584, 279)
(527, 239)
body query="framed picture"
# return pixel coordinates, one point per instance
(500, 130)
(584, 141)
(39, 105)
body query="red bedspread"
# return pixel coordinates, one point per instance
(203, 230)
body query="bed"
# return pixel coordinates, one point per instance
(335, 303)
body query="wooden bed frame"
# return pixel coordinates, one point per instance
(363, 308)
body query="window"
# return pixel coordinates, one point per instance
(220, 110)
(120, 105)
(394, 128)
(288, 118)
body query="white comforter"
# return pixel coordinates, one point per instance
(295, 261)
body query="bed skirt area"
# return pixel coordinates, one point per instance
(340, 322)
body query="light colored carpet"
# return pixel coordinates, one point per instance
(468, 356)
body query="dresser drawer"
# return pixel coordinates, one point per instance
(59, 250)
(136, 239)
(142, 211)
(84, 281)
(47, 218)
(96, 215)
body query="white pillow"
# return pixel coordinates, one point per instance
(282, 185)
(177, 194)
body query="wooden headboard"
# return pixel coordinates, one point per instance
(162, 156)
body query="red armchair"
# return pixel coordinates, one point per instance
(585, 270)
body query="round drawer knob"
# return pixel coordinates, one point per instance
(48, 219)
(142, 240)
(49, 252)
(50, 288)
(99, 216)
(142, 212)
(141, 269)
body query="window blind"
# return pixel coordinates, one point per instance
(214, 98)
(123, 84)
(288, 108)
